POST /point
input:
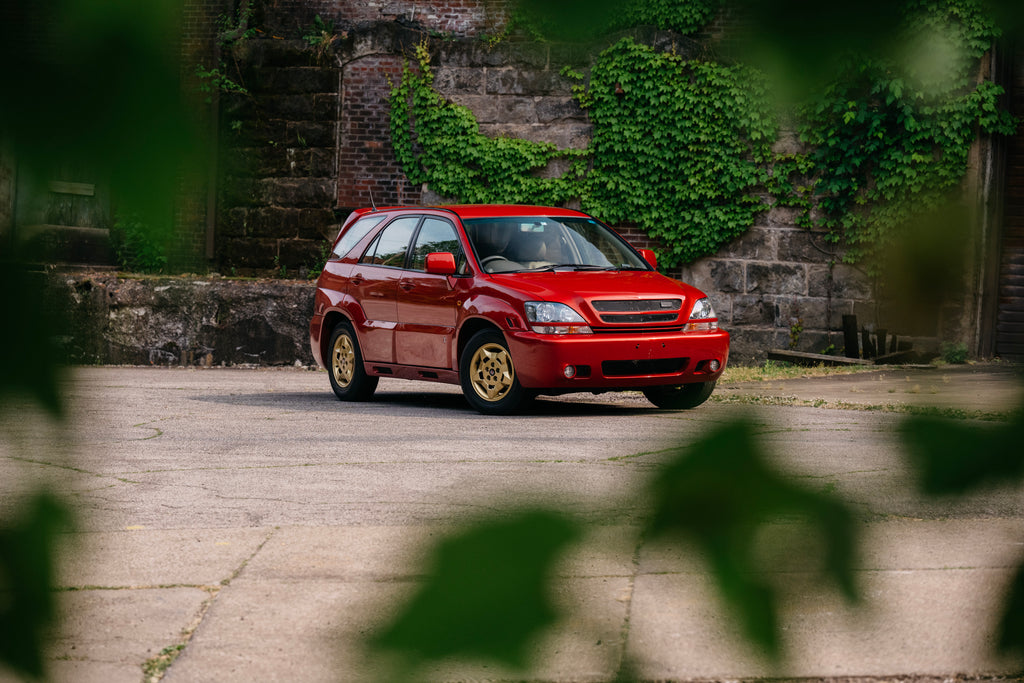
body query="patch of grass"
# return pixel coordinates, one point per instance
(948, 413)
(153, 669)
(777, 370)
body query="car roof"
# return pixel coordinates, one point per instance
(486, 210)
(506, 210)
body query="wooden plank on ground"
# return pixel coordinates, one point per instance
(64, 187)
(897, 357)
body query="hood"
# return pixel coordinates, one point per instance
(580, 288)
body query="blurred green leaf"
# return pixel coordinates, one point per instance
(486, 594)
(27, 604)
(1011, 629)
(956, 457)
(99, 81)
(29, 363)
(720, 493)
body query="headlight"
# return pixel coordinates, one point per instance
(702, 310)
(546, 317)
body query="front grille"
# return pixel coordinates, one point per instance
(636, 306)
(634, 368)
(635, 318)
(660, 329)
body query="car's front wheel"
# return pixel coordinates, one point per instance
(488, 375)
(680, 396)
(345, 368)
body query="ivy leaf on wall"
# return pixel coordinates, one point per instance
(721, 494)
(485, 596)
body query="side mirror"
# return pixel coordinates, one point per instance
(441, 263)
(649, 256)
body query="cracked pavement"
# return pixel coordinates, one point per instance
(251, 521)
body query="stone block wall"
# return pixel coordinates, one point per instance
(317, 138)
(778, 286)
(182, 321)
(277, 196)
(312, 142)
(455, 17)
(514, 90)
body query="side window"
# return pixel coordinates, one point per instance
(389, 247)
(356, 232)
(436, 234)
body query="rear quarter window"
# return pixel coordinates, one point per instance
(355, 233)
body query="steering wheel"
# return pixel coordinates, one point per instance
(491, 259)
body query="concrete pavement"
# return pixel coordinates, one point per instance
(258, 529)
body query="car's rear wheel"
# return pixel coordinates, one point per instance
(680, 396)
(345, 367)
(488, 375)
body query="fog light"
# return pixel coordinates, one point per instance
(569, 371)
(714, 365)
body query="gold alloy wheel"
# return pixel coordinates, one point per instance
(343, 360)
(491, 372)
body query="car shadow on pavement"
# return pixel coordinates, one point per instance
(420, 400)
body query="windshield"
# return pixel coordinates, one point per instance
(518, 244)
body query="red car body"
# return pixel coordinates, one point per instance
(589, 313)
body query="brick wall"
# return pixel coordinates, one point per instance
(198, 46)
(368, 172)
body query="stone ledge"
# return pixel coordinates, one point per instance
(114, 320)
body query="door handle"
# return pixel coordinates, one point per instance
(407, 285)
(357, 280)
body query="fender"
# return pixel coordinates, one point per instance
(479, 310)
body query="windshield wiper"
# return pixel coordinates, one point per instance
(569, 266)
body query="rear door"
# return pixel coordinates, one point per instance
(374, 285)
(427, 304)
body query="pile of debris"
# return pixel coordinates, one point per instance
(861, 347)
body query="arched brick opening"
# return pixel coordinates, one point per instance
(367, 169)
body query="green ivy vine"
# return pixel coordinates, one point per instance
(679, 148)
(682, 148)
(681, 16)
(891, 139)
(585, 19)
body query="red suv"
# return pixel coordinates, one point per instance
(509, 302)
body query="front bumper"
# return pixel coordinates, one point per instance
(616, 361)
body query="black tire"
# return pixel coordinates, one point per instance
(488, 375)
(345, 366)
(680, 396)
